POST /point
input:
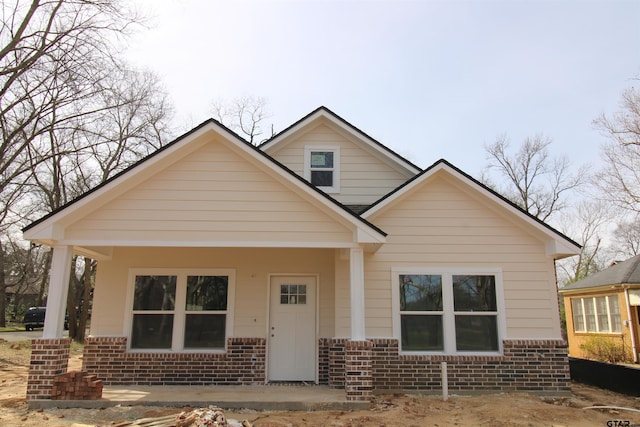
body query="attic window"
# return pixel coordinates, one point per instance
(322, 168)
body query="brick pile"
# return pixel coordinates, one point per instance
(76, 385)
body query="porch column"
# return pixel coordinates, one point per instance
(60, 274)
(356, 260)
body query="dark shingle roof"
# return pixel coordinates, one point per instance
(626, 272)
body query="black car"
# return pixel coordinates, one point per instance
(34, 318)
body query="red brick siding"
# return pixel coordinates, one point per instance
(242, 364)
(358, 370)
(49, 358)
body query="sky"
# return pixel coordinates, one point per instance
(429, 79)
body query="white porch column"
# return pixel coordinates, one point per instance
(60, 274)
(356, 261)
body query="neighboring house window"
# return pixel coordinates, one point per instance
(181, 311)
(596, 314)
(322, 167)
(447, 312)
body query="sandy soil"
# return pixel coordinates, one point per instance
(393, 410)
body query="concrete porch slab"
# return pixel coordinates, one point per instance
(262, 398)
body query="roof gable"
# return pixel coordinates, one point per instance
(557, 244)
(324, 115)
(53, 227)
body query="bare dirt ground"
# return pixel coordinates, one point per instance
(393, 410)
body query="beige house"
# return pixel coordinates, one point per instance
(604, 310)
(320, 256)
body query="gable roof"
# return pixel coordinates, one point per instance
(558, 245)
(47, 223)
(622, 273)
(324, 112)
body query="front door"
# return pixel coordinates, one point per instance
(292, 329)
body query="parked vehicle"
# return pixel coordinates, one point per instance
(34, 318)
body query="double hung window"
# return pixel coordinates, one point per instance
(596, 314)
(181, 310)
(446, 312)
(322, 167)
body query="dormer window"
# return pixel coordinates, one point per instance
(322, 167)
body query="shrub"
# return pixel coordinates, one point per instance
(606, 349)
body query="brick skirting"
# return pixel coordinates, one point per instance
(242, 364)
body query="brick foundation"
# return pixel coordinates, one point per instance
(358, 369)
(49, 358)
(76, 385)
(242, 364)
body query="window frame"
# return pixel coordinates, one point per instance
(448, 313)
(180, 311)
(308, 149)
(592, 301)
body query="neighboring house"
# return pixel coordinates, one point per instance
(605, 305)
(321, 256)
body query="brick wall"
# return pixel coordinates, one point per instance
(49, 358)
(358, 370)
(535, 366)
(242, 364)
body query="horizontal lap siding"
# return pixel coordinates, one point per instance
(440, 225)
(364, 178)
(210, 195)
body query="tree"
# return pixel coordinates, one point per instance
(627, 238)
(245, 116)
(534, 180)
(620, 178)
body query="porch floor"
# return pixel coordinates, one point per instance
(262, 397)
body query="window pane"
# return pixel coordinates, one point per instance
(207, 293)
(603, 316)
(154, 293)
(474, 293)
(204, 331)
(421, 333)
(420, 292)
(590, 315)
(322, 159)
(476, 333)
(152, 331)
(576, 309)
(614, 310)
(322, 178)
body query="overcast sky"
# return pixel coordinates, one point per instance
(429, 79)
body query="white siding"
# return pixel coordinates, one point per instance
(440, 225)
(364, 177)
(212, 195)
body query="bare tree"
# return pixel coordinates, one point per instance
(534, 180)
(627, 237)
(246, 116)
(620, 178)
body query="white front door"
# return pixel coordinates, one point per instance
(292, 329)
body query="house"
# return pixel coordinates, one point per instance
(320, 256)
(604, 309)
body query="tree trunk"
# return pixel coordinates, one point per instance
(3, 289)
(44, 280)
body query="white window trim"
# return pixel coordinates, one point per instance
(592, 301)
(335, 188)
(177, 340)
(448, 311)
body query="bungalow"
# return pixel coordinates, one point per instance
(320, 256)
(603, 312)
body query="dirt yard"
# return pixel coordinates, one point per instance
(390, 411)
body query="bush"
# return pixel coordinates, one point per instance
(606, 349)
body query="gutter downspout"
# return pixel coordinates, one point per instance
(631, 325)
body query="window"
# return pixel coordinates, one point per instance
(179, 310)
(321, 167)
(446, 312)
(293, 294)
(596, 314)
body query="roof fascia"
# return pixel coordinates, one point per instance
(560, 246)
(598, 288)
(324, 112)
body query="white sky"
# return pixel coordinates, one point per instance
(429, 79)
